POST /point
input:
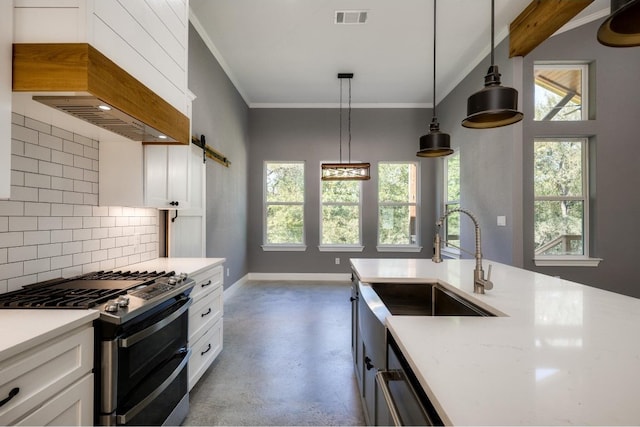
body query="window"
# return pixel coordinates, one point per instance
(452, 201)
(561, 198)
(284, 206)
(397, 206)
(340, 216)
(561, 92)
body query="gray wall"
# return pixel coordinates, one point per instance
(220, 113)
(311, 135)
(490, 165)
(615, 201)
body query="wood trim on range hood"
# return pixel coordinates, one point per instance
(79, 67)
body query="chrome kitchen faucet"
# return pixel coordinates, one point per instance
(480, 284)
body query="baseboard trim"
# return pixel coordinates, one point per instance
(231, 290)
(333, 277)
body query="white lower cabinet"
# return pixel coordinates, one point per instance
(205, 321)
(51, 384)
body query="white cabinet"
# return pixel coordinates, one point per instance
(51, 383)
(205, 321)
(166, 176)
(187, 233)
(6, 39)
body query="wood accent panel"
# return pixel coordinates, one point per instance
(538, 21)
(78, 67)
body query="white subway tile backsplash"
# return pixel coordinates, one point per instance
(61, 236)
(23, 223)
(21, 163)
(64, 184)
(51, 196)
(37, 152)
(37, 209)
(70, 248)
(49, 223)
(37, 266)
(11, 239)
(61, 158)
(24, 193)
(37, 180)
(51, 250)
(50, 141)
(22, 253)
(51, 226)
(37, 237)
(37, 125)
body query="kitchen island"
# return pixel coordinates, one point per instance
(557, 353)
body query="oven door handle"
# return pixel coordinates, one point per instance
(126, 417)
(139, 336)
(383, 378)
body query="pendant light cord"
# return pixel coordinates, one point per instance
(349, 120)
(434, 58)
(492, 28)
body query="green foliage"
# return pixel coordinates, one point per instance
(558, 188)
(285, 197)
(397, 194)
(453, 177)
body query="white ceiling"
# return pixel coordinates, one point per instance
(287, 53)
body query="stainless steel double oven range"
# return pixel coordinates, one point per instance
(141, 348)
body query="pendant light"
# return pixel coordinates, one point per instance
(345, 171)
(494, 105)
(622, 27)
(435, 143)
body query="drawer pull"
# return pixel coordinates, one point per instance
(207, 313)
(206, 351)
(14, 392)
(204, 285)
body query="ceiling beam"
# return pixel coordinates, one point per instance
(538, 21)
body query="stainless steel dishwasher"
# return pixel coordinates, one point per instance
(402, 401)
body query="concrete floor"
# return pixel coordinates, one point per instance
(286, 359)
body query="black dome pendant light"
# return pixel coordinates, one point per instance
(622, 27)
(435, 143)
(494, 105)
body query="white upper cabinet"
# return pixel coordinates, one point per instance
(148, 39)
(6, 39)
(166, 176)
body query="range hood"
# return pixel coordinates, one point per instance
(93, 88)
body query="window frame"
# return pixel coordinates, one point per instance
(563, 259)
(584, 82)
(322, 247)
(448, 250)
(409, 247)
(284, 247)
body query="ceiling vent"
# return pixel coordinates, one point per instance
(350, 17)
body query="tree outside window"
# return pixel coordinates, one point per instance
(340, 215)
(284, 203)
(397, 203)
(452, 198)
(560, 196)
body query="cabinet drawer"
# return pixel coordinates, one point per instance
(204, 313)
(206, 281)
(43, 372)
(205, 350)
(72, 407)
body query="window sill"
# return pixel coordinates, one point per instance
(284, 248)
(566, 261)
(339, 248)
(450, 253)
(398, 248)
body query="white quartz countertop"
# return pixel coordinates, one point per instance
(21, 330)
(563, 353)
(179, 265)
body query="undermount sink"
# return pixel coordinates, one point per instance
(425, 299)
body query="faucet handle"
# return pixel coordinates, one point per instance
(488, 284)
